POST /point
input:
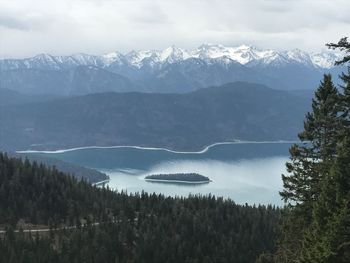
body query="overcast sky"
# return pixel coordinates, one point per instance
(62, 27)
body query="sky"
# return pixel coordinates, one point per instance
(63, 27)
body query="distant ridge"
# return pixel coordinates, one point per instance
(179, 122)
(243, 54)
(172, 70)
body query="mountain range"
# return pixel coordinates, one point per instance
(189, 121)
(172, 70)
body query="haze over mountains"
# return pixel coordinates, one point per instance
(191, 121)
(172, 70)
(158, 98)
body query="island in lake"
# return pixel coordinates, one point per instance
(189, 178)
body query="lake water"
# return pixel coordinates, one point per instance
(245, 172)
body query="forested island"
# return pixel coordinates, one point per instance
(191, 178)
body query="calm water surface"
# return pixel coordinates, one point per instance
(245, 172)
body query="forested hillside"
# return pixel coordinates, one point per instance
(131, 228)
(79, 172)
(236, 111)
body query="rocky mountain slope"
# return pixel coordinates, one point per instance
(172, 70)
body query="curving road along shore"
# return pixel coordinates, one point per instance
(204, 150)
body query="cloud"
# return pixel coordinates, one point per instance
(149, 14)
(12, 23)
(18, 18)
(95, 26)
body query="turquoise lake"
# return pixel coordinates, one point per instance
(245, 172)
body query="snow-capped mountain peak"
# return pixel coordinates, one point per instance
(112, 57)
(325, 59)
(208, 53)
(42, 57)
(298, 56)
(242, 54)
(135, 58)
(39, 61)
(173, 54)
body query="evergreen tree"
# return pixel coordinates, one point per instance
(317, 226)
(328, 237)
(310, 159)
(133, 228)
(309, 162)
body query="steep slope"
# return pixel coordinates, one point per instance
(179, 121)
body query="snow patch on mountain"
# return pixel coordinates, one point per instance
(173, 54)
(325, 59)
(209, 53)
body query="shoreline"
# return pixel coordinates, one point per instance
(101, 182)
(204, 150)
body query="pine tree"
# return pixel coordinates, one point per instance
(309, 162)
(317, 226)
(317, 151)
(329, 231)
(328, 237)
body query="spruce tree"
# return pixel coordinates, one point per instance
(317, 226)
(317, 149)
(328, 237)
(329, 232)
(309, 165)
